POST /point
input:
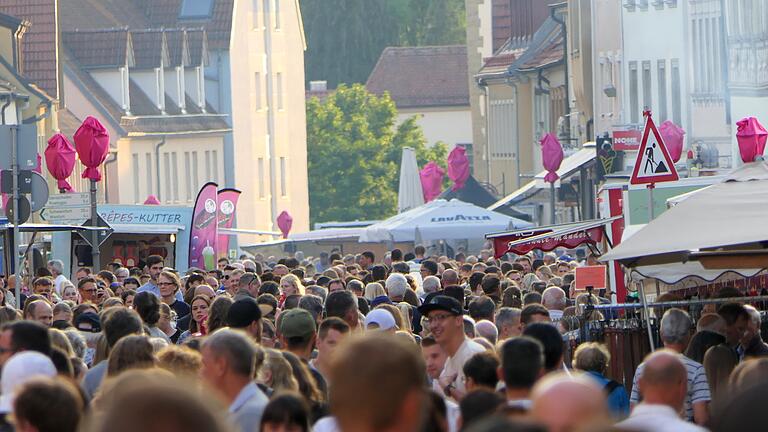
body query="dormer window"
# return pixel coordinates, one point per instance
(196, 9)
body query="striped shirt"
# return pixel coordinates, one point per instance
(698, 387)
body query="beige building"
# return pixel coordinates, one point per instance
(183, 110)
(431, 84)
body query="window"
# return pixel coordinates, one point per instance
(634, 115)
(195, 175)
(148, 161)
(261, 177)
(283, 168)
(277, 14)
(175, 176)
(279, 85)
(188, 175)
(136, 172)
(207, 165)
(257, 90)
(501, 132)
(662, 77)
(196, 9)
(167, 162)
(214, 166)
(677, 109)
(647, 97)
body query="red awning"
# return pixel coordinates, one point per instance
(568, 236)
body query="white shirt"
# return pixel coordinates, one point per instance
(555, 315)
(454, 365)
(656, 418)
(57, 284)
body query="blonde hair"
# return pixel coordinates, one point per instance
(373, 290)
(280, 372)
(406, 311)
(295, 281)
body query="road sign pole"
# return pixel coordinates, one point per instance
(651, 187)
(552, 202)
(95, 254)
(16, 207)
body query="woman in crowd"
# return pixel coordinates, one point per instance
(286, 412)
(197, 326)
(290, 285)
(148, 307)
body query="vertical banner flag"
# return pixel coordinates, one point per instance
(227, 199)
(204, 229)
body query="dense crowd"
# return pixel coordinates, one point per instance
(408, 342)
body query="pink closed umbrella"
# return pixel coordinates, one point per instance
(284, 222)
(751, 137)
(431, 177)
(152, 200)
(458, 167)
(92, 144)
(551, 156)
(60, 160)
(673, 136)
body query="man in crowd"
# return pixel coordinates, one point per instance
(664, 386)
(397, 401)
(736, 320)
(553, 298)
(18, 336)
(87, 289)
(430, 284)
(450, 277)
(332, 332)
(155, 264)
(367, 259)
(40, 311)
(522, 364)
(563, 403)
(675, 333)
(228, 361)
(342, 304)
(56, 267)
(534, 313)
(245, 315)
(297, 331)
(751, 344)
(434, 360)
(445, 320)
(508, 322)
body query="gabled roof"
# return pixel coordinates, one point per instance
(100, 14)
(39, 44)
(422, 76)
(100, 48)
(149, 49)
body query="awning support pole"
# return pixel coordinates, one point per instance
(646, 311)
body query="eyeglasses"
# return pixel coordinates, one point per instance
(436, 319)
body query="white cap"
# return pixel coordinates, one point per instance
(381, 318)
(20, 369)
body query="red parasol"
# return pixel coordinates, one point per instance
(152, 200)
(551, 156)
(751, 137)
(431, 181)
(673, 136)
(60, 160)
(458, 167)
(284, 222)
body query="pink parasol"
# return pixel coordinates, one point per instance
(431, 180)
(751, 137)
(284, 222)
(458, 167)
(60, 160)
(92, 144)
(551, 156)
(152, 200)
(673, 136)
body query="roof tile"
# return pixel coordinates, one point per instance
(422, 76)
(98, 48)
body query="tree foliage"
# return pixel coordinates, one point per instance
(354, 151)
(346, 37)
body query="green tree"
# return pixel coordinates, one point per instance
(354, 150)
(346, 37)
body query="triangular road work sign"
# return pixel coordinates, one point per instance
(653, 164)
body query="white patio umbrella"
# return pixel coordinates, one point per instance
(730, 214)
(410, 195)
(441, 220)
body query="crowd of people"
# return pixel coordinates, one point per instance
(352, 343)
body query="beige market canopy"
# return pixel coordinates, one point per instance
(719, 229)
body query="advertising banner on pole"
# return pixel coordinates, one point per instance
(227, 199)
(204, 229)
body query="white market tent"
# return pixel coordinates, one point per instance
(728, 217)
(441, 220)
(410, 194)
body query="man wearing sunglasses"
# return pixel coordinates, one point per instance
(446, 324)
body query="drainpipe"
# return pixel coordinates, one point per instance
(517, 134)
(271, 108)
(157, 165)
(112, 158)
(5, 105)
(556, 19)
(487, 92)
